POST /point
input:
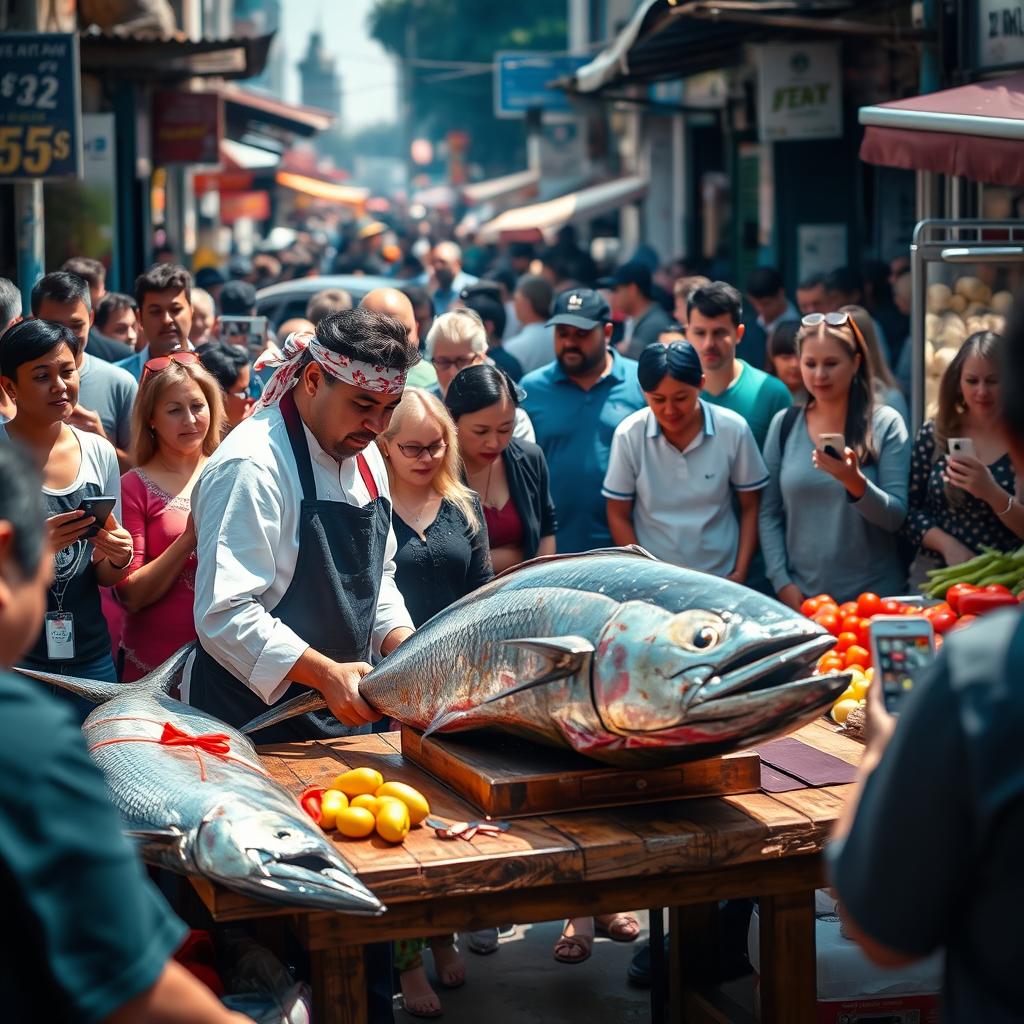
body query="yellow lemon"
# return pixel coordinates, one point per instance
(412, 798)
(358, 781)
(365, 801)
(393, 821)
(842, 708)
(869, 675)
(332, 802)
(859, 688)
(355, 822)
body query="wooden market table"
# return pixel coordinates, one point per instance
(685, 855)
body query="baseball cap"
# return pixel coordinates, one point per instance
(237, 298)
(580, 307)
(633, 272)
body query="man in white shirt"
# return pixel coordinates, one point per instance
(295, 586)
(534, 345)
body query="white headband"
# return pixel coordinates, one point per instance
(381, 379)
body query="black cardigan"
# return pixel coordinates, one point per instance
(527, 472)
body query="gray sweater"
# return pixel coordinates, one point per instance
(814, 535)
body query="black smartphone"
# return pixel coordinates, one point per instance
(99, 507)
(901, 645)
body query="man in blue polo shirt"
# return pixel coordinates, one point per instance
(575, 404)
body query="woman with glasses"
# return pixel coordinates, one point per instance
(839, 474)
(176, 426)
(442, 556)
(39, 372)
(509, 474)
(229, 366)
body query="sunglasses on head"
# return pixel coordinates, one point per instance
(832, 320)
(158, 363)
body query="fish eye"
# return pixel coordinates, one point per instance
(698, 630)
(283, 835)
(705, 637)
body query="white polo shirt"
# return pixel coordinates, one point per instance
(683, 508)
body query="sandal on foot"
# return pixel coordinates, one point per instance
(618, 927)
(424, 1003)
(573, 949)
(451, 971)
(483, 942)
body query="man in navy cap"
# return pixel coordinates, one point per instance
(631, 287)
(575, 403)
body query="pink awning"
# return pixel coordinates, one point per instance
(974, 131)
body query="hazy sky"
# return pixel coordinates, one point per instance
(369, 78)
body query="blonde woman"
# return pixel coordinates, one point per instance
(442, 555)
(177, 424)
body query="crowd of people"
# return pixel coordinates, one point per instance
(536, 408)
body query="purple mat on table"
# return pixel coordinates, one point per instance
(773, 781)
(805, 764)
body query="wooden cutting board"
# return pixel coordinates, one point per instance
(505, 777)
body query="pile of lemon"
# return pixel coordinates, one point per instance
(854, 695)
(359, 802)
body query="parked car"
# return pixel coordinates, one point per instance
(280, 302)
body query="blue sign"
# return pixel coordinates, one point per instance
(522, 80)
(40, 106)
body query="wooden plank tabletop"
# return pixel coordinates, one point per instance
(557, 849)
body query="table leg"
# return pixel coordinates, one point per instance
(657, 954)
(788, 965)
(338, 978)
(692, 946)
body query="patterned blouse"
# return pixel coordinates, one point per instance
(972, 522)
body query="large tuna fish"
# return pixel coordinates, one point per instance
(193, 793)
(612, 653)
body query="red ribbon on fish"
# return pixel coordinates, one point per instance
(216, 743)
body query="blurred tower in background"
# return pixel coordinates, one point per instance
(258, 17)
(319, 77)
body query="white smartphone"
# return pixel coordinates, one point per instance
(832, 444)
(248, 332)
(962, 446)
(901, 645)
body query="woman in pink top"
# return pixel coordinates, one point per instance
(177, 423)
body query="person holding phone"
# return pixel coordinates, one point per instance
(177, 425)
(859, 488)
(962, 482)
(82, 494)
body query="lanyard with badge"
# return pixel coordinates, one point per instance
(60, 625)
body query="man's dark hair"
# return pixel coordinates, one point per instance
(417, 296)
(811, 281)
(846, 280)
(85, 267)
(491, 311)
(369, 336)
(505, 277)
(111, 303)
(1011, 380)
(764, 283)
(60, 287)
(238, 298)
(21, 504)
(32, 339)
(223, 361)
(163, 277)
(10, 302)
(716, 299)
(325, 302)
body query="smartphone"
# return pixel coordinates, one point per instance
(962, 446)
(100, 508)
(248, 332)
(901, 645)
(832, 444)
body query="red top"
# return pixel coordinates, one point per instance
(504, 527)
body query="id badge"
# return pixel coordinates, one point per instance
(60, 636)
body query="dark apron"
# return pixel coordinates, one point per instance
(331, 602)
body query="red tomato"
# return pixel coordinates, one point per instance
(868, 604)
(846, 641)
(957, 591)
(890, 607)
(810, 607)
(825, 598)
(944, 621)
(830, 663)
(829, 620)
(851, 624)
(964, 620)
(857, 655)
(997, 588)
(848, 608)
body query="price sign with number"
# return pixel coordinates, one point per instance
(40, 106)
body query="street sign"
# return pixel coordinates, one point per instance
(40, 106)
(799, 91)
(521, 82)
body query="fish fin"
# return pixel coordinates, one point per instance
(301, 705)
(628, 549)
(165, 836)
(165, 677)
(566, 656)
